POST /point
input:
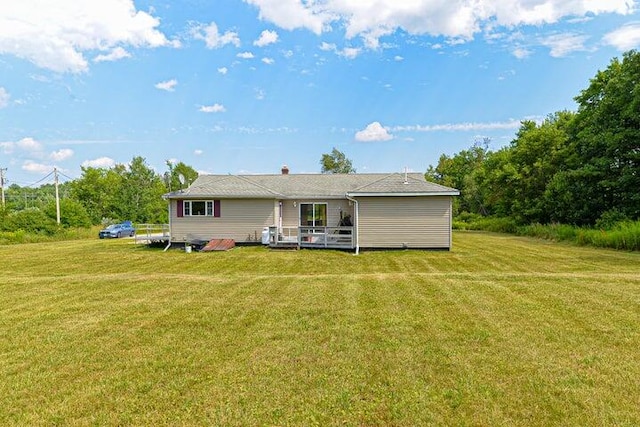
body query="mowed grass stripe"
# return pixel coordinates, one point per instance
(472, 253)
(310, 340)
(602, 277)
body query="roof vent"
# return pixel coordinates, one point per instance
(285, 170)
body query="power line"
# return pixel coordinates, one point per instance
(38, 182)
(66, 176)
(2, 170)
(33, 184)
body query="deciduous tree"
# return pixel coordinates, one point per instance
(336, 162)
(606, 141)
(172, 177)
(140, 199)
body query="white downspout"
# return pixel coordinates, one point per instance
(169, 244)
(357, 223)
(450, 222)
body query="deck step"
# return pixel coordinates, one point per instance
(219, 245)
(284, 245)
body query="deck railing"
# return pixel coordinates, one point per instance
(312, 237)
(152, 233)
(283, 236)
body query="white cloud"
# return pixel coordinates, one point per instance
(563, 44)
(328, 47)
(114, 55)
(624, 38)
(40, 78)
(29, 144)
(168, 85)
(398, 58)
(57, 34)
(245, 55)
(7, 147)
(464, 127)
(373, 132)
(223, 70)
(198, 152)
(293, 14)
(212, 37)
(506, 74)
(62, 154)
(260, 94)
(101, 162)
(347, 52)
(31, 166)
(268, 61)
(350, 52)
(4, 97)
(267, 37)
(459, 20)
(215, 108)
(521, 52)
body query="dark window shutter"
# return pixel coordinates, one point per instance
(216, 208)
(180, 210)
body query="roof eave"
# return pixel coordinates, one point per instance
(184, 196)
(173, 195)
(215, 196)
(416, 194)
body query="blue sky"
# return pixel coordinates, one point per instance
(233, 86)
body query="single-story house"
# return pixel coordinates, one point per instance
(351, 211)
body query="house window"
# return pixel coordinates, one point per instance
(198, 208)
(313, 214)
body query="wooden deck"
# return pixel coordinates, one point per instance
(287, 237)
(312, 237)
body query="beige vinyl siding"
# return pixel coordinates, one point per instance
(241, 220)
(412, 222)
(290, 214)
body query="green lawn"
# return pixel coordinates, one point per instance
(502, 330)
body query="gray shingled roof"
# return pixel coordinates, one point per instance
(310, 186)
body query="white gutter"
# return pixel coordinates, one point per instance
(169, 244)
(357, 221)
(439, 193)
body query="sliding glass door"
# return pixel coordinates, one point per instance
(313, 214)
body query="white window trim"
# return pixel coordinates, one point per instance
(187, 208)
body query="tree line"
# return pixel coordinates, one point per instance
(101, 195)
(577, 168)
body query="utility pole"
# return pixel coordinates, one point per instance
(55, 177)
(2, 170)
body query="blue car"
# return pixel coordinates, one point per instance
(115, 231)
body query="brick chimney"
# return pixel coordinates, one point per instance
(285, 170)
